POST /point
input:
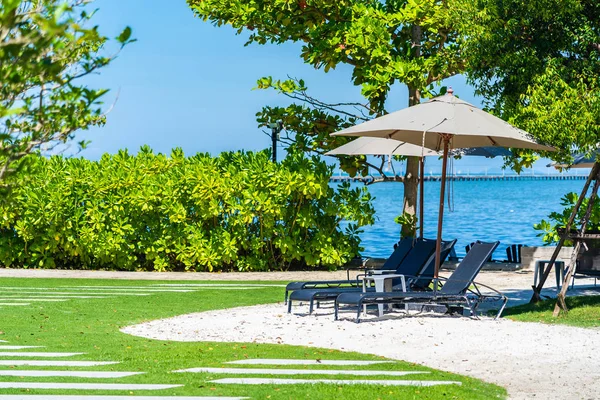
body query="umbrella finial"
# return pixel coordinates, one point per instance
(450, 91)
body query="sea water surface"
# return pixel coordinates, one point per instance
(483, 210)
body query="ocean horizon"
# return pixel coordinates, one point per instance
(482, 210)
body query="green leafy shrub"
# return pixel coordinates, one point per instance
(153, 212)
(558, 220)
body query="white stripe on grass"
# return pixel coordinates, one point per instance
(91, 289)
(84, 386)
(84, 397)
(77, 374)
(31, 299)
(5, 347)
(14, 304)
(21, 292)
(261, 285)
(127, 290)
(158, 290)
(261, 371)
(54, 296)
(36, 354)
(44, 363)
(270, 361)
(264, 381)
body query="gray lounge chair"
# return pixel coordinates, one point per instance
(391, 264)
(418, 260)
(460, 289)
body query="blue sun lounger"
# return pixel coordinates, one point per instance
(459, 289)
(391, 264)
(417, 268)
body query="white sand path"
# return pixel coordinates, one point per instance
(530, 360)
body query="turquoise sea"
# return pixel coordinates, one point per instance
(483, 210)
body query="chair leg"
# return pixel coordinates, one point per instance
(289, 303)
(475, 308)
(285, 299)
(336, 307)
(310, 307)
(472, 308)
(501, 308)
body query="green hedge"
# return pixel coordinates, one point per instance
(152, 212)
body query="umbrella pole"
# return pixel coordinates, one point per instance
(438, 244)
(421, 194)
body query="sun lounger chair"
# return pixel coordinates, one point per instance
(513, 253)
(419, 260)
(400, 252)
(424, 278)
(468, 248)
(460, 289)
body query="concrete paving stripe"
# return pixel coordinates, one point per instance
(84, 397)
(5, 347)
(55, 296)
(127, 290)
(174, 289)
(149, 288)
(21, 292)
(36, 354)
(84, 386)
(263, 381)
(261, 371)
(31, 299)
(78, 290)
(218, 284)
(77, 374)
(14, 304)
(39, 363)
(269, 361)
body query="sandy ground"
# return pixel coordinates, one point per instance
(530, 360)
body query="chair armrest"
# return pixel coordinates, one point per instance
(363, 266)
(381, 271)
(478, 292)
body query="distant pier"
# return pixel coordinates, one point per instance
(437, 178)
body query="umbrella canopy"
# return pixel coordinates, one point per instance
(468, 126)
(375, 146)
(445, 122)
(487, 152)
(372, 146)
(580, 161)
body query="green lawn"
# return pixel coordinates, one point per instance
(92, 326)
(584, 311)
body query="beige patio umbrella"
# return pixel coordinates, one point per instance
(579, 161)
(442, 123)
(374, 146)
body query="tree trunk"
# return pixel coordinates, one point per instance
(411, 178)
(411, 183)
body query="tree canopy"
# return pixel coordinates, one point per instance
(385, 42)
(46, 48)
(537, 63)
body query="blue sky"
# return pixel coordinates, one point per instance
(187, 84)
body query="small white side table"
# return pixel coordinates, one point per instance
(383, 283)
